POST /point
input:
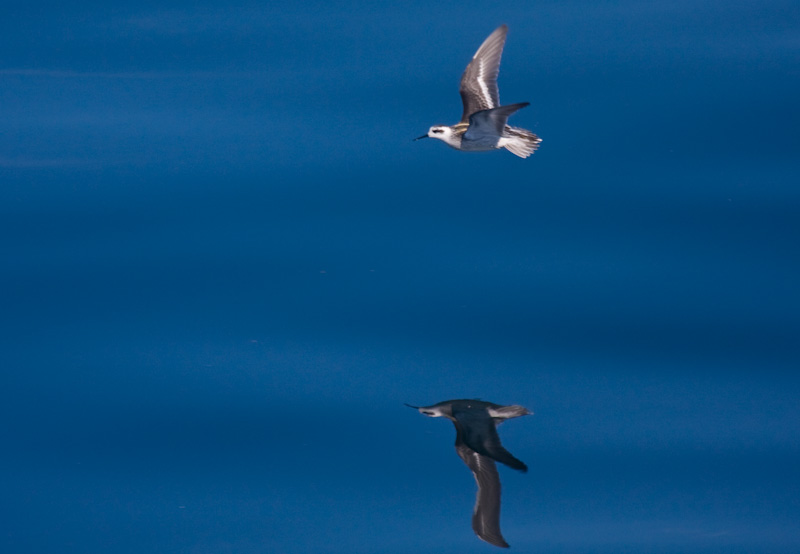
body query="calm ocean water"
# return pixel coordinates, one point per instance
(225, 266)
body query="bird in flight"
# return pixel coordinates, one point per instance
(478, 444)
(483, 122)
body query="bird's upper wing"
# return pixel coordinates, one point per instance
(486, 514)
(478, 430)
(490, 122)
(479, 81)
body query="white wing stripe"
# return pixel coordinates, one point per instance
(487, 97)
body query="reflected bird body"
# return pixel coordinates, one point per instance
(483, 122)
(478, 445)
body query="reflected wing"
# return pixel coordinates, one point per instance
(478, 430)
(486, 514)
(479, 81)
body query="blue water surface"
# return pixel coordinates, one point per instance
(225, 266)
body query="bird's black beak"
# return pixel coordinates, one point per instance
(409, 405)
(422, 137)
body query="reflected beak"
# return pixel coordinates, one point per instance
(422, 137)
(404, 404)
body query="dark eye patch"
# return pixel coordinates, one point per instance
(437, 131)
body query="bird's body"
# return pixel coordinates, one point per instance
(483, 122)
(478, 445)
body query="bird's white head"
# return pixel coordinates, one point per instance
(443, 133)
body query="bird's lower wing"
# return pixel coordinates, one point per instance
(486, 514)
(479, 432)
(490, 122)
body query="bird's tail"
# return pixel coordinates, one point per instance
(507, 412)
(520, 142)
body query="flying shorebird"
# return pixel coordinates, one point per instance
(478, 444)
(483, 122)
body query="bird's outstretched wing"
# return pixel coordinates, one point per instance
(478, 430)
(490, 123)
(486, 514)
(479, 81)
